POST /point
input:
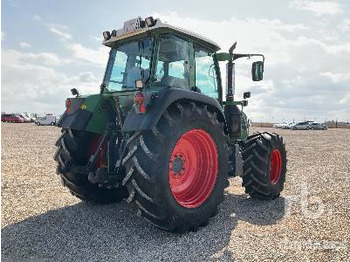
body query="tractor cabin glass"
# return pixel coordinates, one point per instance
(127, 63)
(173, 63)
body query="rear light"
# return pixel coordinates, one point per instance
(139, 101)
(68, 102)
(138, 98)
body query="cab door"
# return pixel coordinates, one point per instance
(205, 74)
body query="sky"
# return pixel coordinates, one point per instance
(49, 47)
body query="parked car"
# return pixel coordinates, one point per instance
(280, 125)
(318, 126)
(288, 126)
(302, 125)
(46, 120)
(13, 118)
(25, 117)
(32, 118)
(29, 117)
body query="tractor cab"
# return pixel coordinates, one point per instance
(148, 56)
(155, 55)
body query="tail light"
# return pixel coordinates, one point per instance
(68, 102)
(139, 99)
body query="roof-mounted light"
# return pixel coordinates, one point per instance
(106, 35)
(130, 27)
(150, 21)
(142, 24)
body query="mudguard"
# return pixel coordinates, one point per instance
(136, 122)
(78, 120)
(85, 114)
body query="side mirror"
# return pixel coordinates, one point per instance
(258, 71)
(75, 92)
(246, 95)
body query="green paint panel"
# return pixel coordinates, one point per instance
(223, 56)
(90, 102)
(244, 127)
(98, 122)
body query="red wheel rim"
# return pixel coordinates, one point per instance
(275, 166)
(100, 160)
(193, 168)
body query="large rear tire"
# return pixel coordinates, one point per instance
(264, 167)
(176, 173)
(72, 156)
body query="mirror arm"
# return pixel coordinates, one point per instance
(237, 56)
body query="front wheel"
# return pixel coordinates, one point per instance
(176, 174)
(265, 164)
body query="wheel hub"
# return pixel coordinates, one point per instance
(178, 165)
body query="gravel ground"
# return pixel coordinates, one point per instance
(41, 221)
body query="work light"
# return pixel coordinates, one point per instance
(139, 84)
(150, 21)
(106, 35)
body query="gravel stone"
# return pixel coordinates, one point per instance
(42, 221)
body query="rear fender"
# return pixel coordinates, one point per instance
(85, 114)
(136, 122)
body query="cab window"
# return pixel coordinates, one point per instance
(128, 63)
(173, 63)
(205, 73)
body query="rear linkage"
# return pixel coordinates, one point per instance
(112, 175)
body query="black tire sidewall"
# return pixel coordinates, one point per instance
(257, 166)
(78, 183)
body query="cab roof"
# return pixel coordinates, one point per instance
(137, 28)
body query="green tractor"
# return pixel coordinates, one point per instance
(159, 133)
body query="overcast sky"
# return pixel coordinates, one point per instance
(49, 47)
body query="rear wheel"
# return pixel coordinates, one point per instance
(74, 150)
(176, 173)
(264, 165)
